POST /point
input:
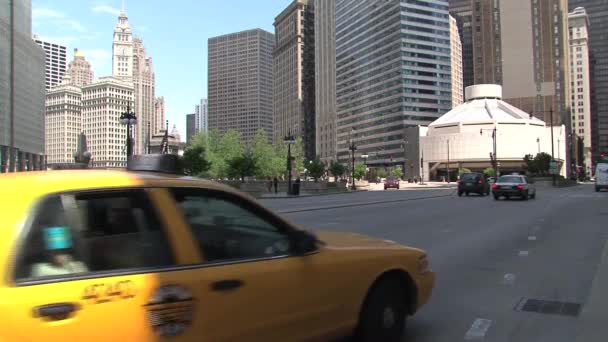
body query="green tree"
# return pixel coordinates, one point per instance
(360, 170)
(264, 154)
(488, 172)
(223, 148)
(316, 169)
(462, 171)
(397, 172)
(194, 160)
(530, 164)
(242, 166)
(381, 173)
(337, 170)
(542, 162)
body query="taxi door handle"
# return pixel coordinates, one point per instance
(56, 312)
(226, 285)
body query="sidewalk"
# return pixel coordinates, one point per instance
(285, 195)
(415, 186)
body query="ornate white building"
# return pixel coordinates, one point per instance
(80, 70)
(102, 104)
(62, 122)
(158, 120)
(130, 63)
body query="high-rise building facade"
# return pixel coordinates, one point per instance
(392, 72)
(62, 121)
(456, 58)
(158, 119)
(597, 10)
(240, 82)
(190, 127)
(462, 11)
(523, 46)
(294, 74)
(22, 88)
(130, 63)
(55, 57)
(103, 101)
(578, 26)
(325, 80)
(201, 116)
(80, 70)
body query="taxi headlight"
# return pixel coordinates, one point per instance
(423, 264)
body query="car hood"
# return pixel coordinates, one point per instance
(335, 239)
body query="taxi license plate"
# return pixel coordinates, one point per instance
(506, 187)
(469, 184)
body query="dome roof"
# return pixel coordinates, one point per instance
(484, 105)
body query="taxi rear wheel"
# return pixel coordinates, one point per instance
(384, 313)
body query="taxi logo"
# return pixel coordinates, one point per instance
(170, 310)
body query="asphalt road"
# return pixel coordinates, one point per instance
(489, 256)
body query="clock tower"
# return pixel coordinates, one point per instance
(122, 48)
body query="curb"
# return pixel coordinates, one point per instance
(361, 204)
(311, 195)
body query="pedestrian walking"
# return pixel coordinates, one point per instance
(269, 183)
(275, 181)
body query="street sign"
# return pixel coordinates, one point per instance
(553, 167)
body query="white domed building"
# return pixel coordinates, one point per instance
(467, 132)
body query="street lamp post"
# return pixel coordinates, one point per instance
(352, 149)
(289, 140)
(494, 159)
(129, 119)
(447, 166)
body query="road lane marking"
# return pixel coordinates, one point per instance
(508, 279)
(523, 253)
(532, 238)
(478, 329)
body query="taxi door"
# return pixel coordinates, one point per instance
(247, 284)
(97, 266)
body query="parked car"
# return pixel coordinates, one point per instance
(391, 183)
(514, 186)
(473, 182)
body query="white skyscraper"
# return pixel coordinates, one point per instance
(578, 23)
(62, 122)
(201, 117)
(102, 103)
(456, 53)
(130, 63)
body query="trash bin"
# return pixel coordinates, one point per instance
(296, 189)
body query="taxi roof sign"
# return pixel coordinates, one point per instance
(164, 163)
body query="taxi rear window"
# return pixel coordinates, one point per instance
(87, 233)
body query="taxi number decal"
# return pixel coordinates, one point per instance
(103, 293)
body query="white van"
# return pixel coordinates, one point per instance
(601, 175)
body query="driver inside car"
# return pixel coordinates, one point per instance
(60, 259)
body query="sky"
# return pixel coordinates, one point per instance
(174, 32)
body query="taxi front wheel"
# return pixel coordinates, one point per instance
(384, 313)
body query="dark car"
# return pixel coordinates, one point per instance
(473, 182)
(391, 183)
(514, 186)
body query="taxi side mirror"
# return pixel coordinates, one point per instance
(303, 242)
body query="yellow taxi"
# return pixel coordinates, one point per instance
(139, 255)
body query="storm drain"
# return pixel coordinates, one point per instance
(549, 307)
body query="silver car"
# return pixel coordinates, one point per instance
(514, 186)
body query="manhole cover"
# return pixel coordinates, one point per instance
(550, 307)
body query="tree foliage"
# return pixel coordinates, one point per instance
(194, 160)
(337, 170)
(397, 172)
(360, 170)
(538, 164)
(462, 171)
(488, 172)
(242, 166)
(316, 169)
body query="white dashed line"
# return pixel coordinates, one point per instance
(478, 329)
(508, 279)
(532, 238)
(523, 253)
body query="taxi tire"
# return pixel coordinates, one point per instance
(387, 295)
